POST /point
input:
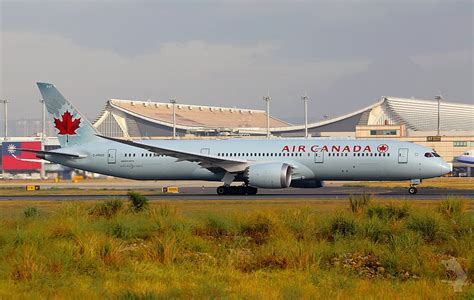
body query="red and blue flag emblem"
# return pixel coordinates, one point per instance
(12, 156)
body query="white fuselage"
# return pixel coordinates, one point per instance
(320, 159)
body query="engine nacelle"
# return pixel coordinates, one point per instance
(307, 183)
(269, 175)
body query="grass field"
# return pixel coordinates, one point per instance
(260, 249)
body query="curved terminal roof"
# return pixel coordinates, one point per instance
(422, 115)
(195, 116)
(141, 118)
(415, 114)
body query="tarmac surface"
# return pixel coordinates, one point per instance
(209, 193)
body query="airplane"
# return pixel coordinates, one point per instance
(466, 158)
(257, 163)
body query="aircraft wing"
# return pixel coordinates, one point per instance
(210, 162)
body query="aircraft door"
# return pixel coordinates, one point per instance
(319, 157)
(111, 157)
(206, 151)
(403, 155)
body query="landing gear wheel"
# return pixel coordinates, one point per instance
(412, 190)
(251, 190)
(222, 190)
(236, 190)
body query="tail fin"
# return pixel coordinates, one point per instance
(72, 128)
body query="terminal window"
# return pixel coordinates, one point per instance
(383, 132)
(460, 144)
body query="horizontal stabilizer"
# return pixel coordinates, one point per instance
(41, 153)
(27, 159)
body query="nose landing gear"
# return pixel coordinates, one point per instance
(412, 190)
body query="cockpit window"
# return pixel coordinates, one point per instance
(431, 154)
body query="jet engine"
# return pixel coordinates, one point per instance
(269, 175)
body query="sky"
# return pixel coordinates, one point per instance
(344, 55)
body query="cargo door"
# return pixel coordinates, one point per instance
(111, 157)
(403, 155)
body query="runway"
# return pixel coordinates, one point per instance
(209, 193)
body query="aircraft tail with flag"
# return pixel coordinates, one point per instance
(72, 128)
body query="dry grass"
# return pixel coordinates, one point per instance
(263, 249)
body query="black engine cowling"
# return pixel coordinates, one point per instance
(269, 175)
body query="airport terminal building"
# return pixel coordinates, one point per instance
(406, 119)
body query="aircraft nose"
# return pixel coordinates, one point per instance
(446, 168)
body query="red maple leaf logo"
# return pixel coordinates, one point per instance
(382, 148)
(67, 126)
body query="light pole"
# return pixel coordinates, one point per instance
(5, 114)
(5, 111)
(305, 99)
(438, 97)
(173, 101)
(43, 136)
(268, 99)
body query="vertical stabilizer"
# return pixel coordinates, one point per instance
(72, 128)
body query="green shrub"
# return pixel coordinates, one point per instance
(299, 222)
(31, 212)
(375, 230)
(129, 228)
(108, 208)
(131, 295)
(388, 212)
(359, 202)
(164, 250)
(403, 240)
(138, 201)
(426, 225)
(343, 225)
(216, 226)
(451, 207)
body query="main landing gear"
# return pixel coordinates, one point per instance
(236, 190)
(412, 190)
